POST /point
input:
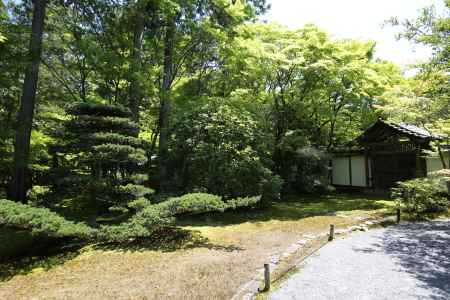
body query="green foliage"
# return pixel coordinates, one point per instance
(41, 221)
(150, 218)
(273, 81)
(101, 152)
(113, 138)
(195, 203)
(215, 148)
(243, 202)
(147, 219)
(99, 110)
(422, 195)
(430, 28)
(249, 104)
(315, 84)
(37, 193)
(116, 154)
(86, 124)
(424, 99)
(309, 170)
(131, 191)
(141, 225)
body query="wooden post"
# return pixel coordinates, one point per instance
(331, 236)
(366, 166)
(266, 277)
(398, 215)
(350, 175)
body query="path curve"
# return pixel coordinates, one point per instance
(407, 261)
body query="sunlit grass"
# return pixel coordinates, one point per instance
(295, 208)
(296, 213)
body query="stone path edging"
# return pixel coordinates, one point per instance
(249, 290)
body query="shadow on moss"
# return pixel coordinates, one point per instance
(28, 265)
(168, 240)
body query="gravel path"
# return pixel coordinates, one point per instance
(408, 261)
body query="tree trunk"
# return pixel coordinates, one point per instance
(280, 131)
(83, 80)
(136, 66)
(331, 135)
(27, 103)
(277, 154)
(165, 104)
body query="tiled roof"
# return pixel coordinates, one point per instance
(412, 130)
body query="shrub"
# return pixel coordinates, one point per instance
(271, 189)
(147, 219)
(195, 203)
(41, 221)
(37, 193)
(243, 202)
(141, 225)
(153, 217)
(215, 149)
(306, 169)
(422, 195)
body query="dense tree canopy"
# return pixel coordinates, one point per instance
(103, 101)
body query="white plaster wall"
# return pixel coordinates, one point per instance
(340, 171)
(434, 163)
(358, 171)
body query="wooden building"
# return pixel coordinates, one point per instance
(385, 154)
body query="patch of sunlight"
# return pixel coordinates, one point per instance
(37, 270)
(297, 213)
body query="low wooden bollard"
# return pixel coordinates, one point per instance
(398, 215)
(266, 277)
(331, 235)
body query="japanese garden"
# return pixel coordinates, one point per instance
(168, 149)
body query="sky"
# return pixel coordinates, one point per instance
(357, 19)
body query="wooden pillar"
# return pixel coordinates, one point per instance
(366, 165)
(421, 166)
(372, 168)
(350, 170)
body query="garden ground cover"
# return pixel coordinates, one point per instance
(208, 259)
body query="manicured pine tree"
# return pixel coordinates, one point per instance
(103, 158)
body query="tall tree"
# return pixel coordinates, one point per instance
(135, 89)
(27, 103)
(165, 99)
(136, 59)
(188, 31)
